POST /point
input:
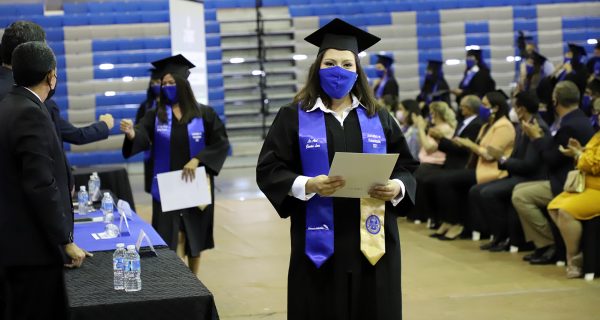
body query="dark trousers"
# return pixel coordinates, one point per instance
(491, 210)
(451, 190)
(34, 292)
(424, 204)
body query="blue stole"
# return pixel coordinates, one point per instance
(467, 80)
(162, 145)
(380, 88)
(312, 134)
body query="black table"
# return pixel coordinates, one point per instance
(114, 178)
(169, 291)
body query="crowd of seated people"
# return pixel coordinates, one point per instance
(494, 166)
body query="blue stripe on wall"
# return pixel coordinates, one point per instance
(429, 42)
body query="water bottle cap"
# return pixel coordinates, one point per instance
(120, 245)
(106, 194)
(82, 188)
(131, 247)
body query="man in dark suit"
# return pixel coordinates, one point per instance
(456, 157)
(24, 31)
(490, 202)
(531, 198)
(36, 226)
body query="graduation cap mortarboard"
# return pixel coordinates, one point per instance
(577, 49)
(538, 58)
(340, 35)
(502, 93)
(475, 53)
(385, 60)
(177, 64)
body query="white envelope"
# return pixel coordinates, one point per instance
(361, 171)
(176, 194)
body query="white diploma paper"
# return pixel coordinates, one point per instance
(361, 171)
(176, 194)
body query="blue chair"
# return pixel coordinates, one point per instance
(214, 67)
(55, 34)
(593, 22)
(102, 7)
(424, 55)
(213, 40)
(429, 43)
(104, 45)
(379, 19)
(523, 24)
(422, 6)
(397, 6)
(157, 43)
(349, 9)
(326, 9)
(216, 93)
(215, 80)
(301, 11)
(428, 31)
(478, 39)
(477, 27)
(574, 22)
(274, 3)
(358, 20)
(76, 20)
(226, 4)
(218, 106)
(57, 47)
(131, 44)
(160, 16)
(60, 61)
(74, 8)
(447, 4)
(214, 54)
(47, 21)
(102, 19)
(574, 35)
(210, 15)
(525, 12)
(157, 55)
(428, 17)
(212, 27)
(128, 17)
(156, 5)
(62, 101)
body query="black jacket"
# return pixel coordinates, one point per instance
(481, 84)
(575, 125)
(36, 213)
(6, 81)
(457, 157)
(525, 161)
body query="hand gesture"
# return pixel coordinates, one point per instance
(76, 254)
(532, 130)
(385, 192)
(126, 127)
(419, 121)
(108, 119)
(573, 148)
(494, 153)
(189, 170)
(435, 133)
(324, 185)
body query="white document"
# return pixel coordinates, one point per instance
(361, 171)
(176, 194)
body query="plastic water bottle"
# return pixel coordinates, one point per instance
(133, 270)
(94, 187)
(107, 208)
(82, 199)
(119, 266)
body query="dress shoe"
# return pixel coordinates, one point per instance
(489, 245)
(443, 228)
(548, 257)
(535, 254)
(453, 233)
(501, 246)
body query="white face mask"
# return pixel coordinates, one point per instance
(400, 116)
(512, 115)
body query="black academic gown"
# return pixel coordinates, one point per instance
(390, 88)
(346, 286)
(481, 83)
(195, 223)
(441, 93)
(148, 174)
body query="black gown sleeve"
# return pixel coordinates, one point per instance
(279, 161)
(144, 134)
(217, 144)
(405, 165)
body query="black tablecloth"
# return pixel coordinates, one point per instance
(114, 178)
(169, 291)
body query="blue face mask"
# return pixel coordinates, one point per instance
(586, 103)
(529, 69)
(484, 113)
(337, 81)
(155, 89)
(594, 120)
(379, 73)
(470, 63)
(170, 92)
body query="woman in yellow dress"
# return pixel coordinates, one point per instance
(567, 209)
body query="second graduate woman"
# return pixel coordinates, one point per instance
(181, 135)
(329, 275)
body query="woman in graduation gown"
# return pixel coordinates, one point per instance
(182, 135)
(477, 78)
(434, 88)
(152, 99)
(329, 277)
(386, 84)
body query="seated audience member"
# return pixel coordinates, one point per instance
(592, 93)
(567, 209)
(456, 157)
(444, 121)
(490, 202)
(593, 63)
(531, 198)
(595, 115)
(498, 133)
(404, 115)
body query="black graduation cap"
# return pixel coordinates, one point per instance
(434, 64)
(538, 58)
(385, 60)
(177, 64)
(155, 73)
(340, 35)
(577, 50)
(475, 53)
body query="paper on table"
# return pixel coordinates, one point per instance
(176, 193)
(361, 171)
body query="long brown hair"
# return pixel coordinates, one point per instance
(312, 89)
(187, 102)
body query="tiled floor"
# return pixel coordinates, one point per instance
(441, 280)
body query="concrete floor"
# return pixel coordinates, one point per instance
(247, 270)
